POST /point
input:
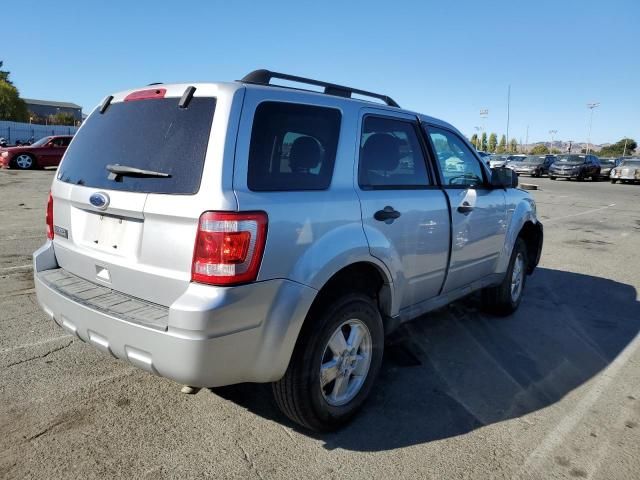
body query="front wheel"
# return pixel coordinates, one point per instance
(551, 177)
(24, 161)
(334, 365)
(613, 180)
(505, 298)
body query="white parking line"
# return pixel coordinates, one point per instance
(19, 267)
(35, 344)
(586, 212)
(539, 457)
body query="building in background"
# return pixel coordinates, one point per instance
(46, 108)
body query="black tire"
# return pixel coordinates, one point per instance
(595, 176)
(551, 177)
(498, 300)
(299, 393)
(20, 164)
(613, 180)
(580, 177)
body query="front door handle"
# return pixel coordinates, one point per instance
(388, 213)
(465, 208)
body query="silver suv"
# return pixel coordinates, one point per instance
(219, 233)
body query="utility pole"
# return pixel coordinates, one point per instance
(552, 133)
(591, 106)
(478, 130)
(508, 110)
(624, 151)
(526, 142)
(484, 113)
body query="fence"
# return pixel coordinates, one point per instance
(17, 131)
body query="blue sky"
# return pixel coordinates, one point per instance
(446, 59)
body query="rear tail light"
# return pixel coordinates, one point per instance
(49, 217)
(229, 247)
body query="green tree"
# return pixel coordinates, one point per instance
(513, 145)
(483, 142)
(62, 118)
(4, 75)
(493, 142)
(502, 146)
(12, 107)
(618, 148)
(474, 140)
(539, 149)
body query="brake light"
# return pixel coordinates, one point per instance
(146, 94)
(49, 217)
(229, 247)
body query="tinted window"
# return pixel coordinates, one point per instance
(147, 134)
(458, 164)
(293, 147)
(391, 155)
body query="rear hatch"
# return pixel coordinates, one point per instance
(129, 230)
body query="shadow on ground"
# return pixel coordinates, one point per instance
(458, 369)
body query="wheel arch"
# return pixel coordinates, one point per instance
(363, 276)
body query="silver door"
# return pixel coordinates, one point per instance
(404, 213)
(478, 212)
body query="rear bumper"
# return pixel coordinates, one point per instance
(215, 336)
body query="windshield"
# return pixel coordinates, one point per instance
(607, 162)
(146, 134)
(571, 159)
(534, 159)
(41, 142)
(630, 163)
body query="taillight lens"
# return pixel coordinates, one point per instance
(229, 247)
(49, 217)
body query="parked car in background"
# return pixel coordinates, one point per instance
(534, 165)
(229, 232)
(496, 160)
(606, 165)
(46, 152)
(514, 161)
(575, 166)
(627, 171)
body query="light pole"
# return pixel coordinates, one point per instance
(484, 113)
(552, 133)
(478, 130)
(591, 106)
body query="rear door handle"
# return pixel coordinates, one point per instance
(465, 208)
(388, 213)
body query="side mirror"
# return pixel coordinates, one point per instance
(503, 177)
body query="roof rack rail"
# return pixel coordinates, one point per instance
(263, 77)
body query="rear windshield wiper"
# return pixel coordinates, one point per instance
(124, 171)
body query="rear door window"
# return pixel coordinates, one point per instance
(391, 156)
(293, 147)
(152, 135)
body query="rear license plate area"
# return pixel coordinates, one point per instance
(116, 235)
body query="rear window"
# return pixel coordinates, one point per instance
(293, 147)
(146, 134)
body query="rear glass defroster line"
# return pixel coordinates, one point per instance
(105, 103)
(186, 97)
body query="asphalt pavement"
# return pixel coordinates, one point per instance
(552, 391)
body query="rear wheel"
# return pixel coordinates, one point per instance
(505, 298)
(24, 161)
(613, 180)
(334, 365)
(551, 177)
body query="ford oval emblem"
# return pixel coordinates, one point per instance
(99, 200)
